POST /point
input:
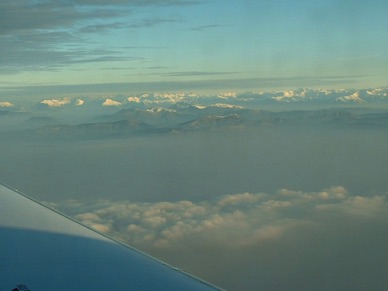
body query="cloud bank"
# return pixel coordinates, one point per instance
(110, 102)
(40, 35)
(56, 102)
(308, 239)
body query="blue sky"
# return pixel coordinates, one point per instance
(188, 44)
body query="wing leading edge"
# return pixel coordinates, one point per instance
(41, 249)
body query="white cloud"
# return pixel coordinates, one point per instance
(79, 102)
(227, 106)
(295, 95)
(110, 102)
(227, 95)
(56, 102)
(355, 97)
(160, 98)
(290, 93)
(100, 227)
(133, 99)
(6, 104)
(200, 107)
(170, 97)
(381, 92)
(238, 199)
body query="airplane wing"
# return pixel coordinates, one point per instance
(41, 249)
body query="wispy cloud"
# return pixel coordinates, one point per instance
(203, 84)
(98, 28)
(150, 22)
(204, 27)
(22, 58)
(195, 73)
(25, 16)
(138, 2)
(105, 59)
(48, 34)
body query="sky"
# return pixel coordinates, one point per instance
(71, 45)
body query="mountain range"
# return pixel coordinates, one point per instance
(91, 117)
(136, 121)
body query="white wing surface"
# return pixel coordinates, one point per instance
(41, 249)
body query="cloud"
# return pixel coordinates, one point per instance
(45, 35)
(150, 22)
(21, 16)
(25, 15)
(195, 73)
(98, 28)
(226, 95)
(378, 92)
(289, 239)
(293, 95)
(110, 102)
(56, 102)
(205, 27)
(133, 99)
(226, 106)
(355, 97)
(138, 2)
(103, 59)
(44, 54)
(79, 102)
(161, 98)
(6, 104)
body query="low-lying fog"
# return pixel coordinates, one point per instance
(198, 166)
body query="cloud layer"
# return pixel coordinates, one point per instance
(270, 227)
(50, 35)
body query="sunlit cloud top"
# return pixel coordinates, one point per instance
(314, 240)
